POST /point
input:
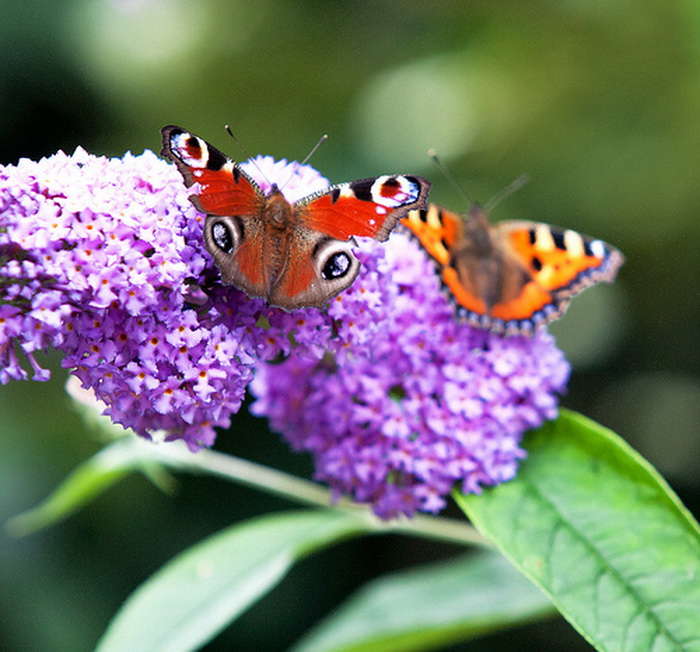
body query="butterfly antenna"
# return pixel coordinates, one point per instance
(506, 192)
(248, 157)
(320, 142)
(432, 153)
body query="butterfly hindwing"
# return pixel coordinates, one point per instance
(314, 279)
(234, 243)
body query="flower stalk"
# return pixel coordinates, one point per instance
(289, 487)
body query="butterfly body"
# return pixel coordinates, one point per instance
(296, 254)
(512, 276)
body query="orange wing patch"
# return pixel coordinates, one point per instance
(341, 219)
(249, 264)
(437, 229)
(532, 300)
(297, 280)
(558, 258)
(365, 208)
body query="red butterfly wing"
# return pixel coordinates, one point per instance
(368, 207)
(224, 189)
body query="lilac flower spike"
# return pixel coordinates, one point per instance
(412, 401)
(103, 259)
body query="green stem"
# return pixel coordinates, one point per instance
(290, 487)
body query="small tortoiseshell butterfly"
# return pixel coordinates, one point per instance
(291, 255)
(512, 276)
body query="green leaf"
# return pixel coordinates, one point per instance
(599, 531)
(88, 481)
(193, 597)
(431, 607)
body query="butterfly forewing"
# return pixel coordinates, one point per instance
(437, 229)
(224, 189)
(561, 259)
(366, 208)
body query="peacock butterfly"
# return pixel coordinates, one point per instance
(292, 255)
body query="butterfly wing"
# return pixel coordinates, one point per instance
(437, 229)
(321, 263)
(368, 207)
(224, 188)
(560, 262)
(233, 202)
(318, 268)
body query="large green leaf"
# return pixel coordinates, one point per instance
(597, 529)
(192, 598)
(431, 607)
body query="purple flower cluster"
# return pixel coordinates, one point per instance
(103, 259)
(409, 401)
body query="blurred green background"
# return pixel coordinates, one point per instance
(597, 101)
